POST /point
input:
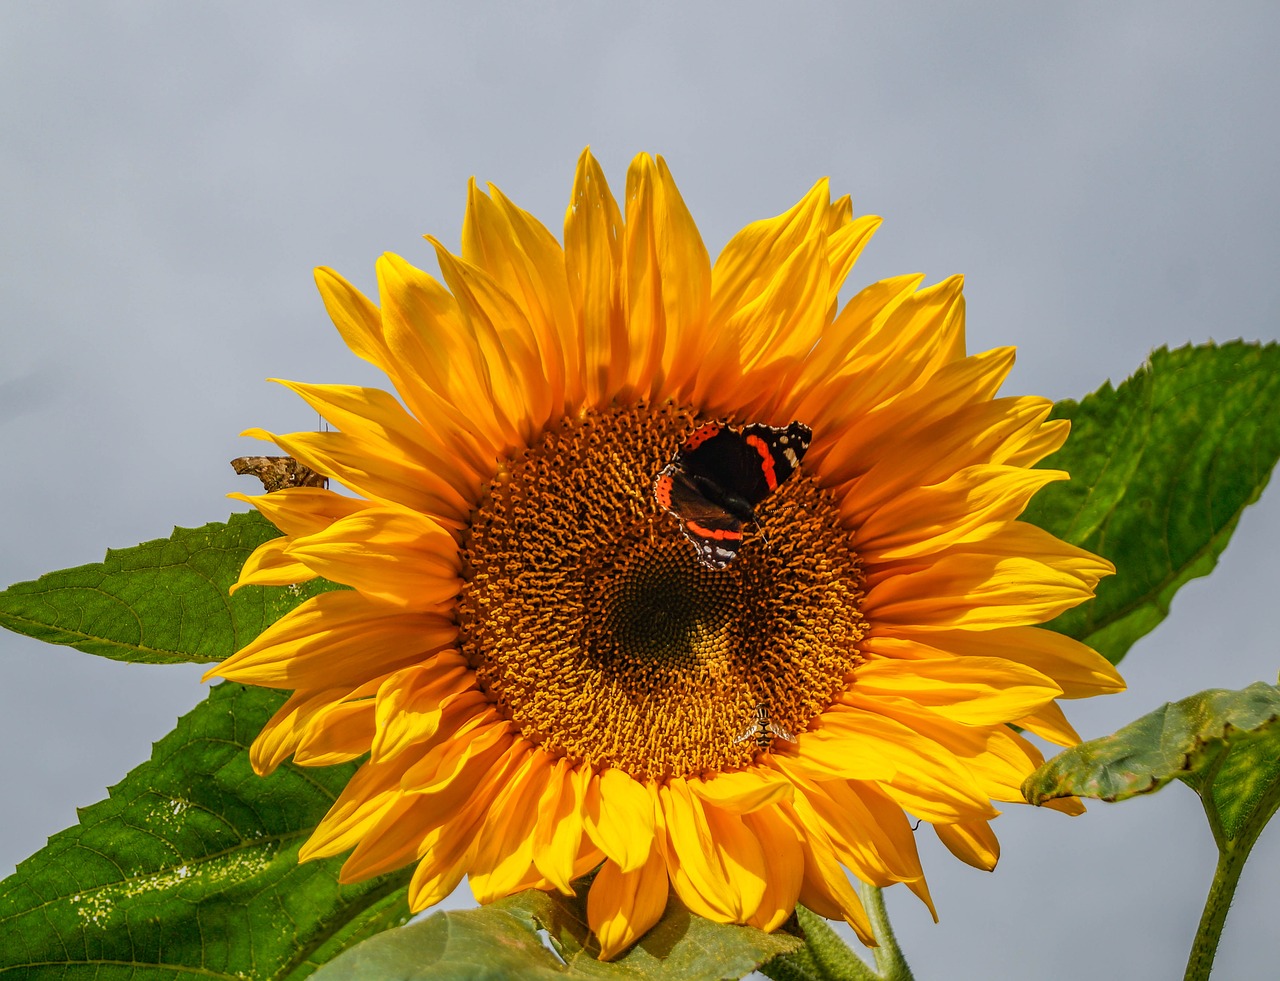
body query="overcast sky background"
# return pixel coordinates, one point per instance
(1104, 175)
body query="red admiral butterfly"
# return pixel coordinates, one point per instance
(717, 478)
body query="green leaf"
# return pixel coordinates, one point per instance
(161, 602)
(1224, 743)
(1161, 469)
(190, 868)
(504, 940)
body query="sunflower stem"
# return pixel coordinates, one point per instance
(824, 957)
(1232, 855)
(889, 958)
(798, 966)
(1225, 878)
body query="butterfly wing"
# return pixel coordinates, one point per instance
(720, 474)
(715, 533)
(778, 450)
(744, 466)
(723, 465)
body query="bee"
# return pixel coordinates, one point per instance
(762, 730)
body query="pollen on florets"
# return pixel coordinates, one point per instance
(595, 629)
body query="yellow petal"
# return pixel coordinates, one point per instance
(622, 906)
(850, 348)
(684, 273)
(527, 263)
(698, 879)
(767, 334)
(828, 751)
(392, 842)
(751, 258)
(846, 244)
(968, 506)
(786, 318)
(784, 867)
(411, 702)
(1071, 806)
(505, 848)
(970, 436)
(1077, 669)
(296, 511)
(743, 791)
(335, 639)
(427, 333)
(975, 691)
(1021, 575)
(441, 870)
(284, 730)
(391, 479)
(997, 759)
(268, 565)
(906, 339)
(451, 764)
(619, 817)
(866, 830)
(415, 825)
(1050, 724)
(376, 420)
(1036, 445)
(973, 842)
(339, 733)
(448, 849)
(356, 317)
(738, 856)
(826, 889)
(593, 261)
(391, 554)
(303, 510)
(559, 829)
(506, 342)
(362, 326)
(644, 312)
(1008, 761)
(937, 785)
(867, 427)
(372, 791)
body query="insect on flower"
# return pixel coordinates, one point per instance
(762, 730)
(499, 549)
(719, 476)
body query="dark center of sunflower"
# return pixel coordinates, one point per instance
(596, 630)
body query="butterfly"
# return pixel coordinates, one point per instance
(278, 472)
(720, 475)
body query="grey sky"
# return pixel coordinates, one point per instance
(1104, 176)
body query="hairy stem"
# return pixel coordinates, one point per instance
(1232, 854)
(889, 958)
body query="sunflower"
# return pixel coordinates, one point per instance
(547, 678)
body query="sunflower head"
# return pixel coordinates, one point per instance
(677, 571)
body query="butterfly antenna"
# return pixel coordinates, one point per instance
(764, 535)
(322, 425)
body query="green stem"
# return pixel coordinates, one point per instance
(1232, 854)
(889, 957)
(1225, 878)
(831, 955)
(824, 957)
